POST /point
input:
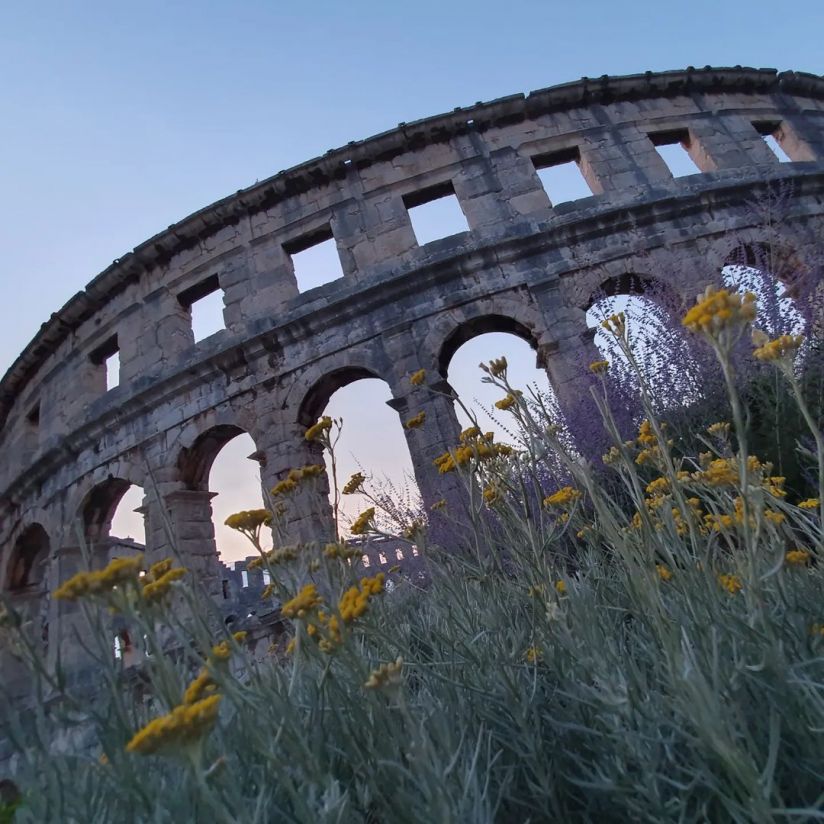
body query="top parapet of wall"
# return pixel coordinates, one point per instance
(382, 147)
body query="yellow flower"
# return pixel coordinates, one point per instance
(363, 521)
(307, 599)
(563, 496)
(202, 686)
(720, 472)
(249, 522)
(599, 367)
(732, 583)
(617, 324)
(498, 366)
(533, 655)
(490, 495)
(355, 601)
(417, 378)
(810, 503)
(715, 311)
(318, 429)
(536, 591)
(155, 590)
(183, 726)
(719, 430)
(386, 676)
(664, 572)
(798, 557)
(118, 573)
(775, 518)
(354, 484)
(506, 403)
(441, 504)
(560, 587)
(469, 434)
(782, 347)
(416, 421)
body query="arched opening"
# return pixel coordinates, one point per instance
(110, 515)
(224, 461)
(26, 572)
(777, 279)
(480, 341)
(661, 351)
(371, 441)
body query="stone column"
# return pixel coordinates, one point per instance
(727, 142)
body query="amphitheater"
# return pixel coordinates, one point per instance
(525, 266)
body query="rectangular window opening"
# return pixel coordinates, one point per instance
(315, 259)
(204, 301)
(561, 176)
(435, 213)
(771, 131)
(673, 147)
(244, 578)
(107, 355)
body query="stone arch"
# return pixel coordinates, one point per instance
(316, 398)
(635, 284)
(452, 329)
(194, 462)
(26, 566)
(98, 507)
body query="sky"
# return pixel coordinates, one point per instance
(120, 119)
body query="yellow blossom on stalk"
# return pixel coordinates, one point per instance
(469, 434)
(118, 573)
(646, 436)
(445, 463)
(497, 366)
(318, 429)
(180, 728)
(355, 601)
(416, 421)
(664, 572)
(268, 591)
(307, 599)
(202, 686)
(342, 551)
(560, 587)
(490, 495)
(438, 505)
(354, 484)
(155, 590)
(810, 503)
(506, 403)
(363, 522)
(417, 378)
(719, 310)
(781, 347)
(283, 487)
(415, 528)
(798, 557)
(775, 518)
(249, 522)
(617, 324)
(720, 472)
(562, 497)
(775, 486)
(533, 655)
(660, 486)
(536, 591)
(731, 583)
(386, 676)
(719, 430)
(612, 456)
(222, 651)
(599, 367)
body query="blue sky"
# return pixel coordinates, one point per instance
(119, 119)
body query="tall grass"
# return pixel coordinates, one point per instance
(637, 637)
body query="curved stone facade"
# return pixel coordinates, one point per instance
(526, 266)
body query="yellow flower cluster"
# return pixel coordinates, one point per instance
(118, 573)
(490, 494)
(719, 430)
(417, 378)
(498, 366)
(599, 366)
(565, 495)
(342, 551)
(386, 676)
(281, 555)
(810, 503)
(617, 324)
(222, 651)
(438, 505)
(798, 557)
(295, 476)
(782, 347)
(416, 421)
(305, 601)
(717, 310)
(249, 521)
(158, 580)
(533, 655)
(415, 528)
(560, 587)
(355, 601)
(317, 430)
(354, 484)
(731, 583)
(363, 522)
(473, 446)
(506, 403)
(664, 572)
(180, 728)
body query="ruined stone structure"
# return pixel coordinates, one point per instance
(525, 266)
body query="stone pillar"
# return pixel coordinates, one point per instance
(625, 160)
(799, 139)
(727, 142)
(308, 514)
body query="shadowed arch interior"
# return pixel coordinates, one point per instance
(318, 396)
(195, 462)
(631, 283)
(481, 326)
(99, 507)
(782, 262)
(26, 568)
